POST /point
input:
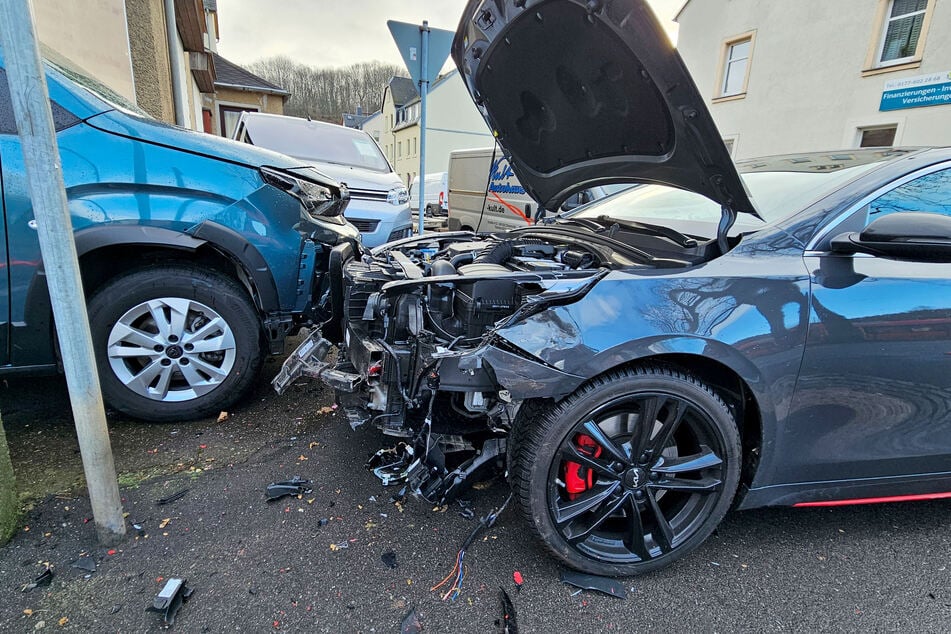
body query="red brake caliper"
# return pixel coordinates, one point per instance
(578, 478)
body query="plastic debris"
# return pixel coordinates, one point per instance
(508, 623)
(517, 578)
(466, 510)
(170, 599)
(171, 498)
(606, 585)
(86, 563)
(116, 608)
(322, 522)
(411, 623)
(294, 486)
(340, 546)
(45, 579)
(389, 559)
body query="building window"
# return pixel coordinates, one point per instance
(883, 136)
(228, 118)
(399, 149)
(735, 66)
(730, 143)
(901, 31)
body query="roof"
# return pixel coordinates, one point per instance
(351, 120)
(403, 90)
(230, 75)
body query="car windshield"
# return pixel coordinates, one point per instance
(780, 187)
(316, 141)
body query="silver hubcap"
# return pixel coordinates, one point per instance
(171, 349)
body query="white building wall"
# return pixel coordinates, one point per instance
(453, 123)
(806, 88)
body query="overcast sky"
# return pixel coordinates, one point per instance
(338, 32)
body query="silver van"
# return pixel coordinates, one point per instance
(485, 195)
(379, 202)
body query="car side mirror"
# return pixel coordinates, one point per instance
(909, 235)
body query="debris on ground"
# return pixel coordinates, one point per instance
(517, 578)
(170, 599)
(340, 546)
(458, 573)
(222, 417)
(411, 623)
(294, 486)
(508, 623)
(85, 562)
(171, 498)
(606, 585)
(389, 558)
(466, 509)
(45, 579)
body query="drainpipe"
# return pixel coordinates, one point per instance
(176, 61)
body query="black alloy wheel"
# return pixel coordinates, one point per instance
(631, 472)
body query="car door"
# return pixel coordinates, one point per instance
(874, 394)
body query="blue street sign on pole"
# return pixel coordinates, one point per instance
(424, 50)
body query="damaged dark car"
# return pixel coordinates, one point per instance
(772, 333)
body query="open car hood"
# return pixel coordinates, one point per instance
(587, 92)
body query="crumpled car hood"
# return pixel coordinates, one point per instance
(581, 93)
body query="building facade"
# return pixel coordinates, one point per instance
(782, 76)
(452, 123)
(159, 54)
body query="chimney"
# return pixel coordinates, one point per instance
(359, 111)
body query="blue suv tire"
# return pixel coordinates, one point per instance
(177, 336)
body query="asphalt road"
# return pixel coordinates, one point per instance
(258, 566)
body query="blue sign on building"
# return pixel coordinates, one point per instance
(917, 92)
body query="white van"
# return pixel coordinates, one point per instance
(437, 194)
(485, 195)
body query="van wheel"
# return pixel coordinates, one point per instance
(174, 342)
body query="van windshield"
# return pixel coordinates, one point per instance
(316, 141)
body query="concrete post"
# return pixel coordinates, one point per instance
(31, 109)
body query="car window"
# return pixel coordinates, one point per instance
(316, 141)
(929, 193)
(62, 118)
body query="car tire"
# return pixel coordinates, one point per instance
(174, 342)
(609, 500)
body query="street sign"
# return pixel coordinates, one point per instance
(409, 40)
(424, 51)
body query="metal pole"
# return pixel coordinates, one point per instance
(423, 90)
(176, 64)
(31, 109)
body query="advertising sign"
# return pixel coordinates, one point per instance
(917, 92)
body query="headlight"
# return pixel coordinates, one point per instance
(397, 196)
(318, 200)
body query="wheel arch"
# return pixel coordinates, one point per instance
(106, 250)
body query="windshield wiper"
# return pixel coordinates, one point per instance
(673, 235)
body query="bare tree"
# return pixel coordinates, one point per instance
(327, 93)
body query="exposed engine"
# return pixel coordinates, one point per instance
(415, 315)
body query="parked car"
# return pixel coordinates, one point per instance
(198, 255)
(485, 195)
(379, 202)
(437, 190)
(776, 334)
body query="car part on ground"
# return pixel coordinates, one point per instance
(637, 367)
(294, 486)
(170, 599)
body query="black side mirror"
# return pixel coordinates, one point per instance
(910, 235)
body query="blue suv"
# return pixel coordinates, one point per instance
(199, 255)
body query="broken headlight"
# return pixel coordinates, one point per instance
(317, 199)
